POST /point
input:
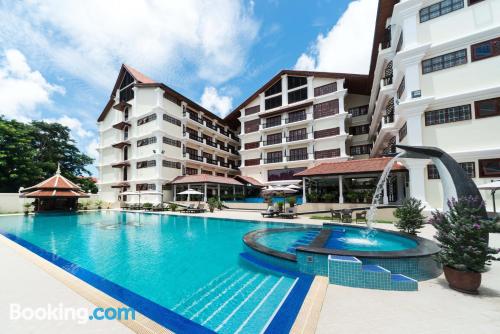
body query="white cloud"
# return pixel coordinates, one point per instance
(73, 124)
(219, 104)
(90, 38)
(91, 149)
(347, 46)
(22, 89)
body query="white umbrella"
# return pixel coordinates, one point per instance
(190, 192)
(294, 186)
(279, 190)
(493, 186)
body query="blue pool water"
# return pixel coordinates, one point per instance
(359, 239)
(287, 241)
(190, 265)
(298, 200)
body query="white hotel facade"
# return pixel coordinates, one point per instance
(434, 80)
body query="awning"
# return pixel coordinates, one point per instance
(121, 125)
(204, 178)
(351, 167)
(121, 185)
(121, 105)
(121, 144)
(121, 164)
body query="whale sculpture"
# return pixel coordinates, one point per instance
(455, 181)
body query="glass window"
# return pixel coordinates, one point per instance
(274, 89)
(444, 61)
(273, 102)
(486, 49)
(146, 141)
(283, 174)
(487, 108)
(440, 8)
(448, 115)
(294, 82)
(297, 95)
(489, 168)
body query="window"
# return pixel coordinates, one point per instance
(171, 119)
(191, 171)
(294, 82)
(273, 102)
(297, 95)
(274, 89)
(361, 149)
(145, 186)
(220, 174)
(401, 88)
(299, 134)
(284, 174)
(252, 145)
(327, 154)
(276, 156)
(487, 108)
(358, 111)
(403, 132)
(326, 133)
(325, 109)
(206, 172)
(273, 139)
(432, 172)
(359, 129)
(252, 126)
(272, 121)
(486, 49)
(439, 9)
(473, 2)
(489, 168)
(468, 167)
(444, 61)
(146, 141)
(171, 164)
(325, 89)
(252, 110)
(146, 119)
(252, 162)
(146, 164)
(298, 154)
(448, 115)
(170, 141)
(296, 116)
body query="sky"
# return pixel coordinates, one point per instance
(59, 59)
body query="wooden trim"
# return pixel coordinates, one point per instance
(495, 49)
(252, 162)
(497, 106)
(252, 110)
(327, 154)
(325, 89)
(252, 145)
(481, 168)
(327, 133)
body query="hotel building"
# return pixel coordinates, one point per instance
(151, 135)
(434, 80)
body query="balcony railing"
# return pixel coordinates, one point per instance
(234, 137)
(387, 81)
(195, 157)
(273, 160)
(297, 118)
(389, 118)
(195, 137)
(296, 137)
(224, 132)
(273, 141)
(211, 161)
(271, 124)
(297, 157)
(224, 148)
(224, 164)
(196, 118)
(211, 126)
(211, 143)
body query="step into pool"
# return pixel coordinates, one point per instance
(184, 272)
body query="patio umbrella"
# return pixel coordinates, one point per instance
(153, 192)
(132, 193)
(493, 186)
(279, 190)
(190, 192)
(294, 186)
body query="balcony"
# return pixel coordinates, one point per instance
(273, 141)
(224, 132)
(121, 144)
(224, 164)
(195, 157)
(297, 157)
(196, 118)
(271, 124)
(224, 148)
(389, 118)
(194, 137)
(273, 160)
(211, 143)
(211, 126)
(297, 118)
(121, 164)
(386, 81)
(211, 161)
(302, 136)
(234, 137)
(386, 41)
(122, 125)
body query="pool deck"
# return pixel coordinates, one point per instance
(433, 309)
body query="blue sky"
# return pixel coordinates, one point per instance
(59, 59)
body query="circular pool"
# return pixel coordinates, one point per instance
(300, 248)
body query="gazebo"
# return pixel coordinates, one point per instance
(55, 193)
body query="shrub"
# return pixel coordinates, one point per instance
(212, 202)
(280, 206)
(352, 196)
(291, 200)
(410, 218)
(463, 235)
(147, 205)
(173, 206)
(313, 197)
(328, 198)
(98, 203)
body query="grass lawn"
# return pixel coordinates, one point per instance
(320, 217)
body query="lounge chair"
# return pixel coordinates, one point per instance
(186, 208)
(290, 213)
(361, 216)
(346, 216)
(336, 215)
(270, 212)
(199, 209)
(159, 207)
(135, 206)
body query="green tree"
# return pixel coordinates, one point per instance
(30, 152)
(87, 184)
(410, 216)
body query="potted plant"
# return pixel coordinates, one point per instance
(463, 235)
(219, 204)
(27, 207)
(280, 206)
(212, 203)
(410, 217)
(98, 203)
(172, 207)
(291, 201)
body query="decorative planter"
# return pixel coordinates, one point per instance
(463, 281)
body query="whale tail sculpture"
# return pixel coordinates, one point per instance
(456, 183)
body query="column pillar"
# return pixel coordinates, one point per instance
(205, 193)
(189, 196)
(304, 197)
(175, 192)
(341, 189)
(401, 186)
(385, 199)
(416, 169)
(218, 190)
(234, 193)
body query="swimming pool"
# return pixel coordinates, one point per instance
(190, 265)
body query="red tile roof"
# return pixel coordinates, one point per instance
(55, 193)
(55, 186)
(204, 178)
(138, 75)
(350, 167)
(251, 180)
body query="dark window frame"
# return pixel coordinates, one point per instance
(448, 115)
(496, 100)
(493, 44)
(297, 95)
(444, 61)
(481, 163)
(439, 9)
